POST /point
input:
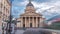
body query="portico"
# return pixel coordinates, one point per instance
(30, 21)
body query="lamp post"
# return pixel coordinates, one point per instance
(8, 27)
(10, 20)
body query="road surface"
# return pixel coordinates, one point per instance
(19, 32)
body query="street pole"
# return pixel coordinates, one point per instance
(10, 20)
(9, 28)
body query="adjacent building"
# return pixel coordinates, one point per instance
(30, 18)
(4, 10)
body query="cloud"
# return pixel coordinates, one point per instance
(48, 8)
(18, 3)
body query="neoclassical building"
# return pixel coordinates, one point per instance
(30, 18)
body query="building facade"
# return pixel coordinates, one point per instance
(4, 10)
(30, 18)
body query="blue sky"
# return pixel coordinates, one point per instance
(48, 8)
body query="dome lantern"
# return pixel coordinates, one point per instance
(29, 4)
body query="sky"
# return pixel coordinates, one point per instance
(48, 8)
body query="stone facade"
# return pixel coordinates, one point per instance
(4, 10)
(30, 18)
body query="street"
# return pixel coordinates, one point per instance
(31, 31)
(36, 31)
(19, 31)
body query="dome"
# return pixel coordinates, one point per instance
(29, 4)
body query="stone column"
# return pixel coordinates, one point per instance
(25, 22)
(39, 22)
(33, 21)
(36, 21)
(21, 22)
(29, 21)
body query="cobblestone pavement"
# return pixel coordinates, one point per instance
(31, 31)
(19, 32)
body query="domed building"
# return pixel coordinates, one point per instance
(30, 18)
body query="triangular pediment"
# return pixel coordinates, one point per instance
(31, 14)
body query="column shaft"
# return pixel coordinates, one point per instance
(39, 22)
(36, 21)
(29, 21)
(25, 22)
(33, 21)
(21, 22)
